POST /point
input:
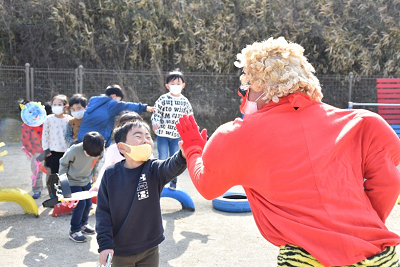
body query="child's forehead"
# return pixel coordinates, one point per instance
(139, 129)
(57, 101)
(177, 79)
(77, 105)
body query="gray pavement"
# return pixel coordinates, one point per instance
(205, 237)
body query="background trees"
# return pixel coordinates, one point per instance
(339, 36)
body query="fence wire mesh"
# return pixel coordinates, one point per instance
(213, 96)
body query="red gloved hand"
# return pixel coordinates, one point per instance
(189, 132)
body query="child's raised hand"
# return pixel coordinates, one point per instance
(180, 143)
(155, 126)
(150, 109)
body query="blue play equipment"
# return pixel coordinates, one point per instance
(232, 201)
(181, 195)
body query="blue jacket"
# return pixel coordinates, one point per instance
(100, 116)
(128, 214)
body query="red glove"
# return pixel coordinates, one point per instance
(189, 132)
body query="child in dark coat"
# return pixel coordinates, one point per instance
(128, 216)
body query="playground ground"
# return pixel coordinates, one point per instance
(205, 237)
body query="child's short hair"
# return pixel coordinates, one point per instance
(78, 99)
(63, 98)
(121, 132)
(114, 89)
(173, 75)
(128, 116)
(93, 144)
(47, 107)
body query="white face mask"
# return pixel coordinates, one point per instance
(57, 109)
(78, 114)
(250, 107)
(175, 89)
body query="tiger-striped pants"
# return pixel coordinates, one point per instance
(293, 256)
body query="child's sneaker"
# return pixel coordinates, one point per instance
(77, 236)
(87, 229)
(172, 185)
(36, 195)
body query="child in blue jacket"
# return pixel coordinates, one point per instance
(102, 110)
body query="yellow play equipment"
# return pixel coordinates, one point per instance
(21, 197)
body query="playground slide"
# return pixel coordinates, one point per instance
(21, 197)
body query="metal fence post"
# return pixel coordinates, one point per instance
(28, 97)
(80, 74)
(32, 82)
(350, 85)
(76, 81)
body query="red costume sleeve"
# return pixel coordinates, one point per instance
(382, 156)
(223, 169)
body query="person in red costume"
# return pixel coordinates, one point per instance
(320, 180)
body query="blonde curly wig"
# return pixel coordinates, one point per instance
(278, 68)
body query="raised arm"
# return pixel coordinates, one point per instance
(211, 178)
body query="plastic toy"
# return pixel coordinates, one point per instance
(33, 113)
(181, 195)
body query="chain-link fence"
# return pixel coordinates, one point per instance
(213, 96)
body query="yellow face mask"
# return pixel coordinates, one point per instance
(138, 153)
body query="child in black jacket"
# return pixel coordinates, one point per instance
(128, 216)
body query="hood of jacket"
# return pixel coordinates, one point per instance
(97, 101)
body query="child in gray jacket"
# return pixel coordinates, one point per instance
(79, 163)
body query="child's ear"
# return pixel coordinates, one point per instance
(167, 86)
(183, 85)
(123, 148)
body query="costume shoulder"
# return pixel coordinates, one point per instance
(370, 119)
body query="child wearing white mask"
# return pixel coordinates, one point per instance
(169, 108)
(77, 106)
(54, 129)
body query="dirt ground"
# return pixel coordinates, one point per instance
(205, 237)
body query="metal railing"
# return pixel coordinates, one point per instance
(351, 104)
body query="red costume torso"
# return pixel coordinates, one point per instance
(302, 164)
(31, 138)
